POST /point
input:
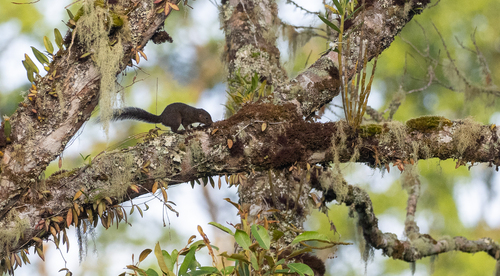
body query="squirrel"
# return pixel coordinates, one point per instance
(173, 116)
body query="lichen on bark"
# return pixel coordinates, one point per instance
(93, 29)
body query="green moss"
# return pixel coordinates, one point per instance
(370, 130)
(427, 124)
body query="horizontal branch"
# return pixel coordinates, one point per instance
(243, 144)
(417, 246)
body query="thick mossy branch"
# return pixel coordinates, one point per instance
(286, 141)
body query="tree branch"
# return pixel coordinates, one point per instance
(418, 246)
(289, 140)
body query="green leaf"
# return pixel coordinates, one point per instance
(242, 239)
(329, 24)
(227, 270)
(253, 260)
(70, 14)
(352, 13)
(277, 235)
(221, 227)
(338, 6)
(48, 45)
(31, 64)
(59, 39)
(311, 236)
(168, 260)
(197, 244)
(300, 268)
(26, 66)
(30, 73)
(255, 81)
(173, 258)
(280, 262)
(151, 272)
(235, 256)
(262, 88)
(204, 270)
(6, 128)
(39, 56)
(159, 258)
(243, 269)
(261, 235)
(187, 262)
(298, 252)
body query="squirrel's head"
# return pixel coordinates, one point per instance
(204, 117)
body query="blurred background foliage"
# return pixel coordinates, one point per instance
(453, 202)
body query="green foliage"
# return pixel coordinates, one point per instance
(48, 45)
(29, 65)
(243, 89)
(258, 253)
(87, 157)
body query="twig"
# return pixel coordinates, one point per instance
(72, 3)
(29, 3)
(301, 8)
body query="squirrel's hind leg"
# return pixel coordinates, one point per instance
(175, 126)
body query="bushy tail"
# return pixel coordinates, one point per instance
(134, 113)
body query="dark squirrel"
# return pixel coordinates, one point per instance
(173, 116)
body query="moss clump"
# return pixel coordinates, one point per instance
(427, 124)
(333, 179)
(370, 130)
(466, 135)
(12, 230)
(121, 170)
